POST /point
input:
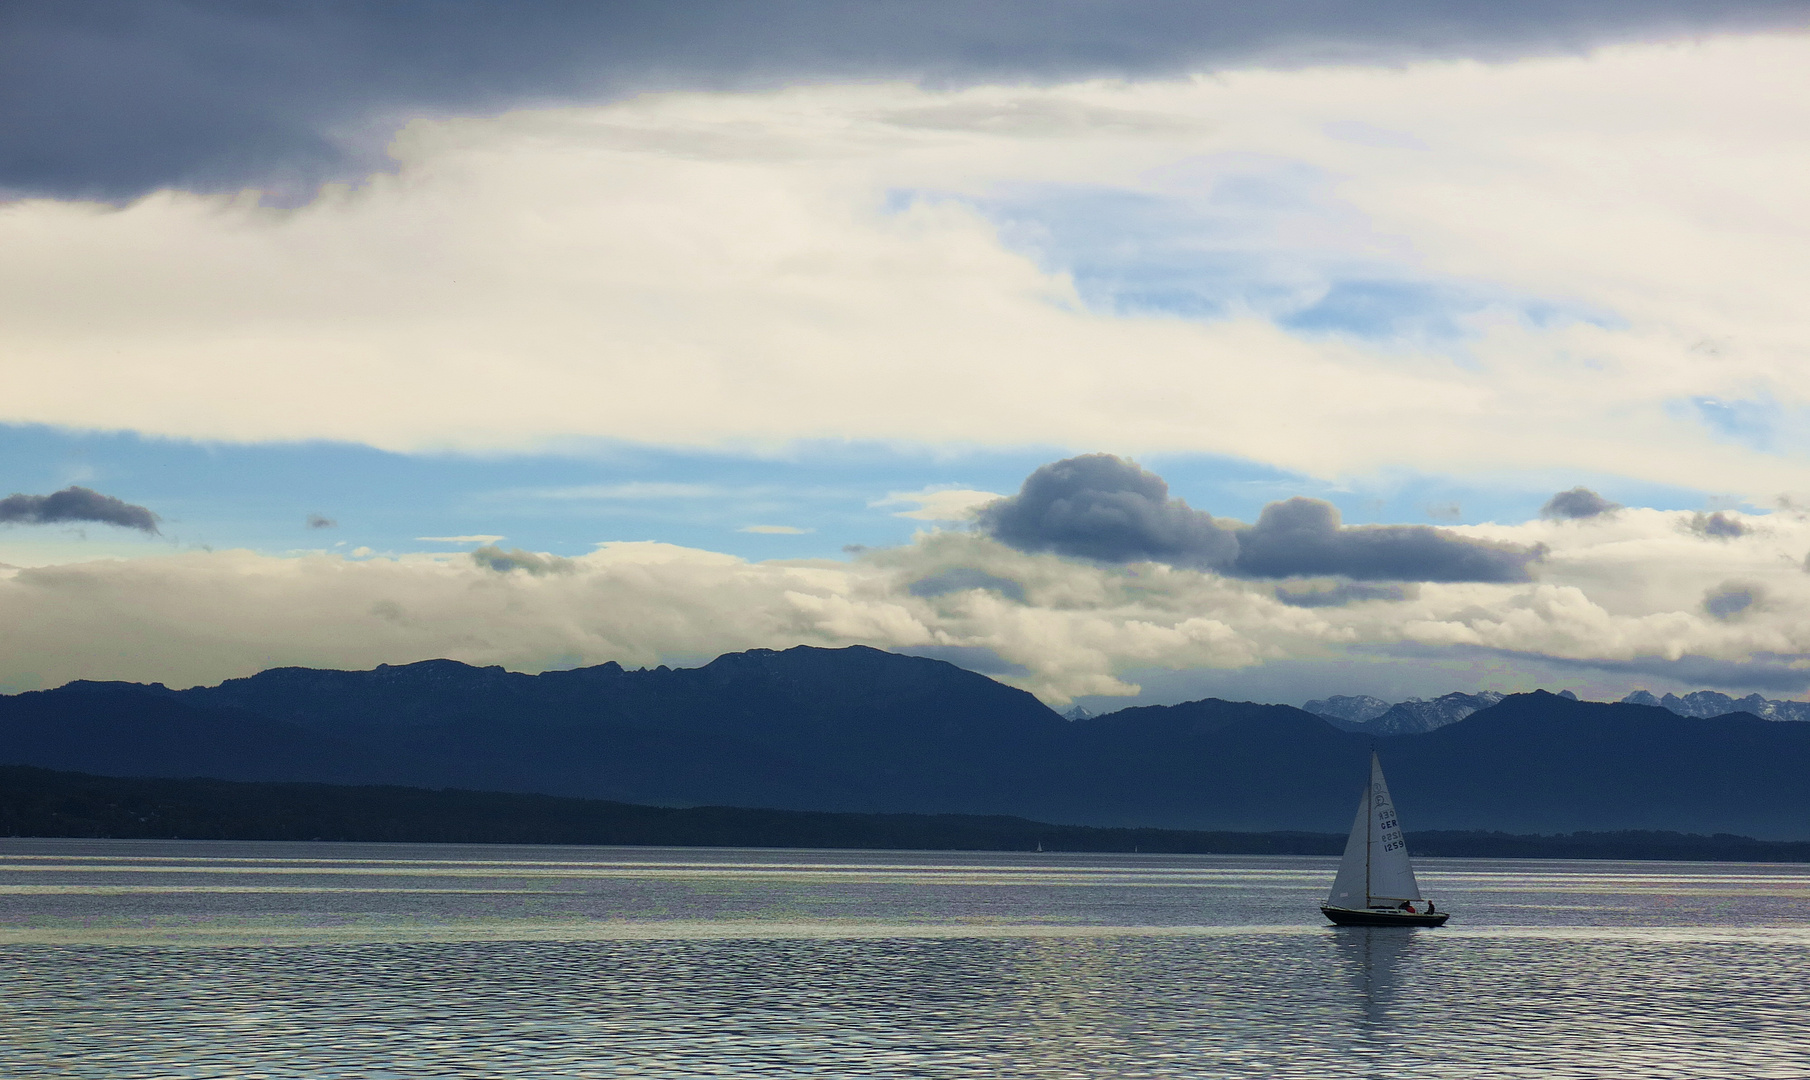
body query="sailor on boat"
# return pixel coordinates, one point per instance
(1376, 885)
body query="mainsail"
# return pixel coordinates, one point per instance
(1375, 871)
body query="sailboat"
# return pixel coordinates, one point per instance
(1376, 885)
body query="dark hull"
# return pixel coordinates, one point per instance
(1348, 917)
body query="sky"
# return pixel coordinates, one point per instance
(1128, 353)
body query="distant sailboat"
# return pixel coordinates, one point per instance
(1376, 885)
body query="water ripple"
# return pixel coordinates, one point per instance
(973, 967)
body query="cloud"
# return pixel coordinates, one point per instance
(1303, 537)
(824, 270)
(1760, 671)
(775, 530)
(216, 96)
(937, 504)
(973, 657)
(1103, 507)
(1717, 526)
(495, 558)
(321, 521)
(1595, 679)
(1733, 598)
(75, 504)
(1622, 598)
(748, 270)
(961, 579)
(1106, 508)
(1339, 595)
(475, 538)
(1578, 503)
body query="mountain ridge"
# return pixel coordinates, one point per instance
(1409, 717)
(863, 730)
(1708, 704)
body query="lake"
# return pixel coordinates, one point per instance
(129, 959)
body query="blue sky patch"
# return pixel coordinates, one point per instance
(1387, 309)
(1223, 237)
(809, 502)
(1752, 422)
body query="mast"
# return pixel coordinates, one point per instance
(1369, 823)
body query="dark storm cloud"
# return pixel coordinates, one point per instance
(112, 99)
(1102, 507)
(960, 579)
(1303, 537)
(1731, 598)
(1578, 503)
(1716, 526)
(1108, 509)
(495, 558)
(73, 505)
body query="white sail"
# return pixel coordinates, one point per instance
(1391, 875)
(1351, 889)
(1375, 871)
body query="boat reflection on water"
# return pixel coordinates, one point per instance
(1377, 964)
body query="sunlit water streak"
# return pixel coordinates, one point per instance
(135, 960)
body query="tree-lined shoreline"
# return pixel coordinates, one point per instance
(46, 803)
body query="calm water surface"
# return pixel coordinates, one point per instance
(130, 959)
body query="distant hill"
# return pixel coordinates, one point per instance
(866, 731)
(845, 729)
(39, 802)
(1544, 763)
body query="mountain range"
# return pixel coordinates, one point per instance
(862, 730)
(1374, 716)
(1708, 704)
